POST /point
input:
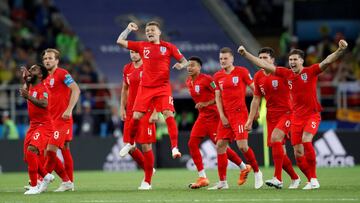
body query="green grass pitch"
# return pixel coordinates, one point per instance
(171, 185)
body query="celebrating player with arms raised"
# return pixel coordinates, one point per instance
(155, 85)
(306, 108)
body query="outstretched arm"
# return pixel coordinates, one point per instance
(183, 63)
(122, 37)
(334, 56)
(255, 60)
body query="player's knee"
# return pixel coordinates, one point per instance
(275, 138)
(298, 152)
(138, 115)
(33, 149)
(244, 149)
(167, 114)
(146, 147)
(51, 147)
(67, 145)
(221, 147)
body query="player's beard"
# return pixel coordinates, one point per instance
(33, 79)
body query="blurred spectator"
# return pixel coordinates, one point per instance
(311, 56)
(114, 124)
(68, 44)
(87, 122)
(87, 74)
(185, 120)
(9, 131)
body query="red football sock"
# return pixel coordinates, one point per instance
(302, 164)
(222, 166)
(148, 165)
(278, 156)
(193, 145)
(41, 170)
(173, 131)
(60, 170)
(287, 166)
(233, 156)
(68, 163)
(31, 159)
(250, 158)
(138, 157)
(50, 161)
(310, 158)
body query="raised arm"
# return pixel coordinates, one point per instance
(123, 100)
(334, 56)
(121, 41)
(255, 60)
(42, 103)
(254, 106)
(220, 108)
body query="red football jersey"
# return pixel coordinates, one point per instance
(275, 89)
(37, 114)
(203, 90)
(303, 89)
(156, 59)
(58, 83)
(131, 77)
(233, 87)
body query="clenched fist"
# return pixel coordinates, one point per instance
(343, 44)
(241, 50)
(132, 26)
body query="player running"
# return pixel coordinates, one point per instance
(277, 94)
(202, 90)
(64, 95)
(306, 108)
(231, 82)
(37, 95)
(155, 85)
(145, 134)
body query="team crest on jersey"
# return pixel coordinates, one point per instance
(197, 89)
(275, 83)
(235, 80)
(34, 94)
(304, 76)
(52, 81)
(162, 50)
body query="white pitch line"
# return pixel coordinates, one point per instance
(224, 200)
